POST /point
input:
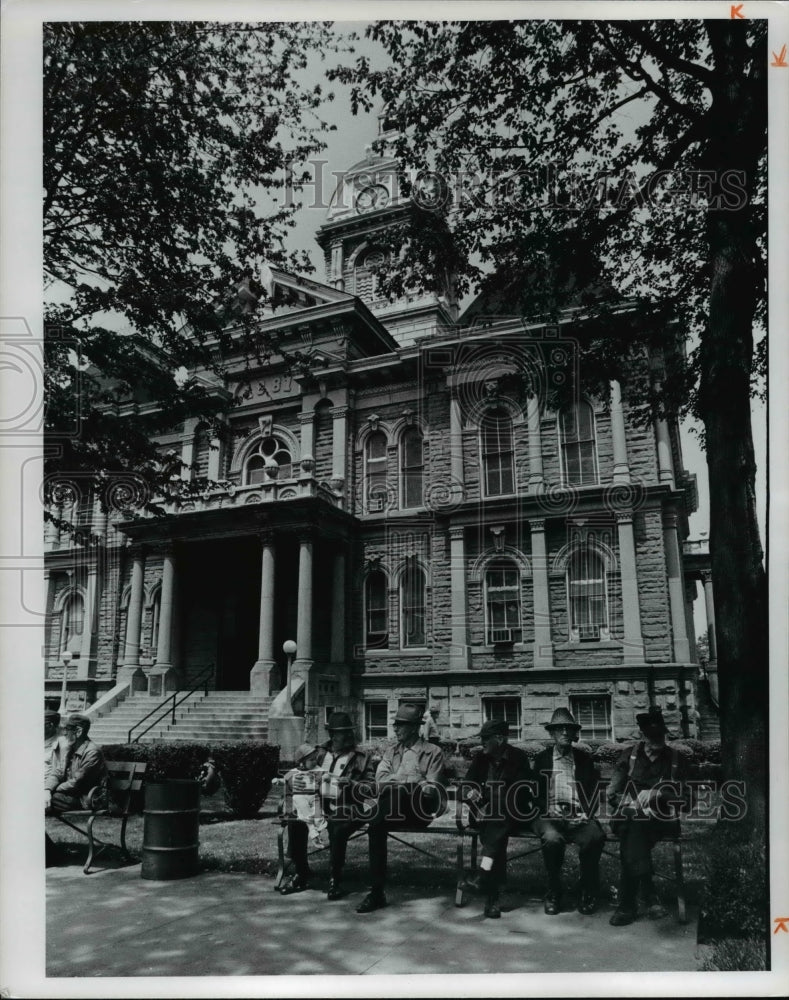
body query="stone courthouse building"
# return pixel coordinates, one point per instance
(410, 513)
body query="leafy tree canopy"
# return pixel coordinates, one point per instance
(164, 146)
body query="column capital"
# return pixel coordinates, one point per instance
(537, 524)
(457, 533)
(624, 516)
(306, 417)
(340, 411)
(266, 535)
(305, 534)
(669, 519)
(706, 576)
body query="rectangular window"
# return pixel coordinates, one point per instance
(504, 710)
(502, 590)
(376, 723)
(594, 715)
(413, 599)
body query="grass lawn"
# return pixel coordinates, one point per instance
(228, 844)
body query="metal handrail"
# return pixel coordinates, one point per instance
(165, 707)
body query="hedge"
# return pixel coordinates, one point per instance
(247, 769)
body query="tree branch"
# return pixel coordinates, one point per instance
(701, 73)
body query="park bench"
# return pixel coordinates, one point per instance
(123, 788)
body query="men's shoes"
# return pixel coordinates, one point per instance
(552, 905)
(587, 903)
(492, 908)
(375, 900)
(336, 891)
(296, 883)
(622, 916)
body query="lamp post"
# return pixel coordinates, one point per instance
(66, 661)
(289, 649)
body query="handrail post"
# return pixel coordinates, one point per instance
(173, 715)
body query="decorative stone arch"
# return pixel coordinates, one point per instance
(66, 594)
(477, 409)
(125, 598)
(489, 556)
(251, 443)
(369, 428)
(404, 424)
(606, 553)
(151, 592)
(396, 577)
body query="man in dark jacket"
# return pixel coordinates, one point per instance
(498, 789)
(75, 768)
(342, 765)
(568, 786)
(644, 793)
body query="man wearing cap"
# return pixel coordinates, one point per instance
(76, 767)
(567, 790)
(51, 736)
(645, 791)
(430, 730)
(409, 794)
(498, 789)
(342, 765)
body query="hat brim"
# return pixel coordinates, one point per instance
(339, 729)
(562, 725)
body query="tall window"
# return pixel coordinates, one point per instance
(586, 593)
(376, 723)
(375, 472)
(271, 460)
(72, 624)
(412, 467)
(376, 610)
(504, 710)
(412, 603)
(503, 603)
(365, 274)
(579, 452)
(497, 453)
(594, 715)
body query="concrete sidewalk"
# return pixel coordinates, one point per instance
(236, 925)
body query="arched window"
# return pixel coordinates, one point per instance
(271, 460)
(579, 451)
(497, 453)
(376, 610)
(156, 611)
(503, 603)
(586, 595)
(375, 472)
(412, 468)
(71, 624)
(413, 606)
(365, 280)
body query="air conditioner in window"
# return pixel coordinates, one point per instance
(501, 636)
(588, 633)
(375, 505)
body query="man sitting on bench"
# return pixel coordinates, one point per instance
(408, 795)
(76, 766)
(644, 792)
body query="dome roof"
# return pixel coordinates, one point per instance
(369, 186)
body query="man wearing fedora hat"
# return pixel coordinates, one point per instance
(409, 794)
(342, 765)
(498, 790)
(567, 790)
(644, 793)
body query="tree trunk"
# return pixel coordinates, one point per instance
(738, 576)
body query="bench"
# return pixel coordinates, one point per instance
(124, 784)
(462, 831)
(611, 841)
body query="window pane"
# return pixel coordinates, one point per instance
(594, 715)
(376, 445)
(255, 470)
(412, 491)
(504, 710)
(412, 449)
(375, 720)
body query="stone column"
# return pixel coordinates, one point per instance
(88, 623)
(676, 589)
(690, 597)
(163, 667)
(621, 466)
(709, 607)
(665, 461)
(260, 675)
(543, 645)
(215, 454)
(536, 475)
(455, 442)
(459, 652)
(188, 448)
(338, 446)
(131, 652)
(303, 661)
(338, 609)
(633, 651)
(307, 422)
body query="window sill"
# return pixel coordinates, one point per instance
(589, 644)
(380, 654)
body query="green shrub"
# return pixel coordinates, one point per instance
(749, 955)
(246, 769)
(735, 901)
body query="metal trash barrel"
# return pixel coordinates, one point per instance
(171, 824)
